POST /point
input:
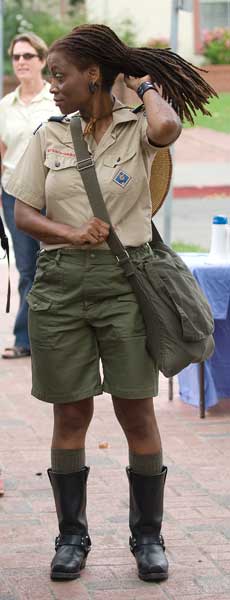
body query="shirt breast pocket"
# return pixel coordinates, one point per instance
(119, 172)
(56, 162)
(63, 181)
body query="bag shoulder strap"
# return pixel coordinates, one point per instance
(5, 247)
(85, 166)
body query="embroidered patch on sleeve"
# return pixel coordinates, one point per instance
(121, 178)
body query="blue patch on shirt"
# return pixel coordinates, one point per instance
(121, 178)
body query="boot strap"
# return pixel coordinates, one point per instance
(72, 539)
(146, 540)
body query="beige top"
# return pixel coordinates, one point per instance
(47, 176)
(18, 121)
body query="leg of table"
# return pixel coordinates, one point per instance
(202, 395)
(170, 388)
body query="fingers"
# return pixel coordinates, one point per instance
(130, 81)
(99, 229)
(94, 232)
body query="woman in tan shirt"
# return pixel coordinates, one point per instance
(82, 308)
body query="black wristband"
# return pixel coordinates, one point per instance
(143, 87)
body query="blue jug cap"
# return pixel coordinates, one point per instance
(219, 220)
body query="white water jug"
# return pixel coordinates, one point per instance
(219, 251)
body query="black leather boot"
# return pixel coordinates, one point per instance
(145, 518)
(73, 543)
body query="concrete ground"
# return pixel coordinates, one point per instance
(192, 218)
(197, 497)
(201, 185)
(201, 160)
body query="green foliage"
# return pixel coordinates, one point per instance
(18, 18)
(78, 5)
(184, 247)
(126, 31)
(216, 46)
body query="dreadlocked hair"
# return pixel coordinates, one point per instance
(182, 85)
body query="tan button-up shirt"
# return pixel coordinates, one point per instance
(18, 121)
(47, 176)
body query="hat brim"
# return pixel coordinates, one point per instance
(161, 174)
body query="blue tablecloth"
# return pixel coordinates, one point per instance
(215, 283)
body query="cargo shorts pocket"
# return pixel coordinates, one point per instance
(48, 279)
(41, 321)
(38, 304)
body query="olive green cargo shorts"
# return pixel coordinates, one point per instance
(81, 311)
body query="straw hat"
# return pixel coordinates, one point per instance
(161, 174)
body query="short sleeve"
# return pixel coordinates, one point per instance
(28, 180)
(148, 146)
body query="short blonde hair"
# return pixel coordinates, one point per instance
(36, 42)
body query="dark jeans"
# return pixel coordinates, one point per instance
(25, 250)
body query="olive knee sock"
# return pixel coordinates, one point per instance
(67, 461)
(146, 464)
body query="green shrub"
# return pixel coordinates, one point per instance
(216, 46)
(49, 28)
(126, 31)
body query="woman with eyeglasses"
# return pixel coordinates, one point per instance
(21, 112)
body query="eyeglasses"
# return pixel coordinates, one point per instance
(25, 56)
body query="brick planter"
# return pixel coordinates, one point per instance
(218, 77)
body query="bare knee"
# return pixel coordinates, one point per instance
(71, 421)
(136, 417)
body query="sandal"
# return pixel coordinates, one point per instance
(16, 352)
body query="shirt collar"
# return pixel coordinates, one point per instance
(121, 114)
(43, 94)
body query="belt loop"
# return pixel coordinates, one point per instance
(58, 257)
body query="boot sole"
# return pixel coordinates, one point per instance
(153, 576)
(68, 576)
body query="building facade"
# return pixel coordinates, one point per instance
(152, 19)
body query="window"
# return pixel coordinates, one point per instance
(214, 13)
(209, 14)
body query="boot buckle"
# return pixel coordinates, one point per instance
(132, 543)
(73, 540)
(57, 542)
(85, 541)
(161, 540)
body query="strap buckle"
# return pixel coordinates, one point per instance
(85, 163)
(124, 258)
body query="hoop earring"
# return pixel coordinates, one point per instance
(92, 87)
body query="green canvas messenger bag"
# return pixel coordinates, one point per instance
(178, 319)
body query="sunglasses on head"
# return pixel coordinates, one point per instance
(25, 56)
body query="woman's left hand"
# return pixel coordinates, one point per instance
(134, 82)
(163, 124)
